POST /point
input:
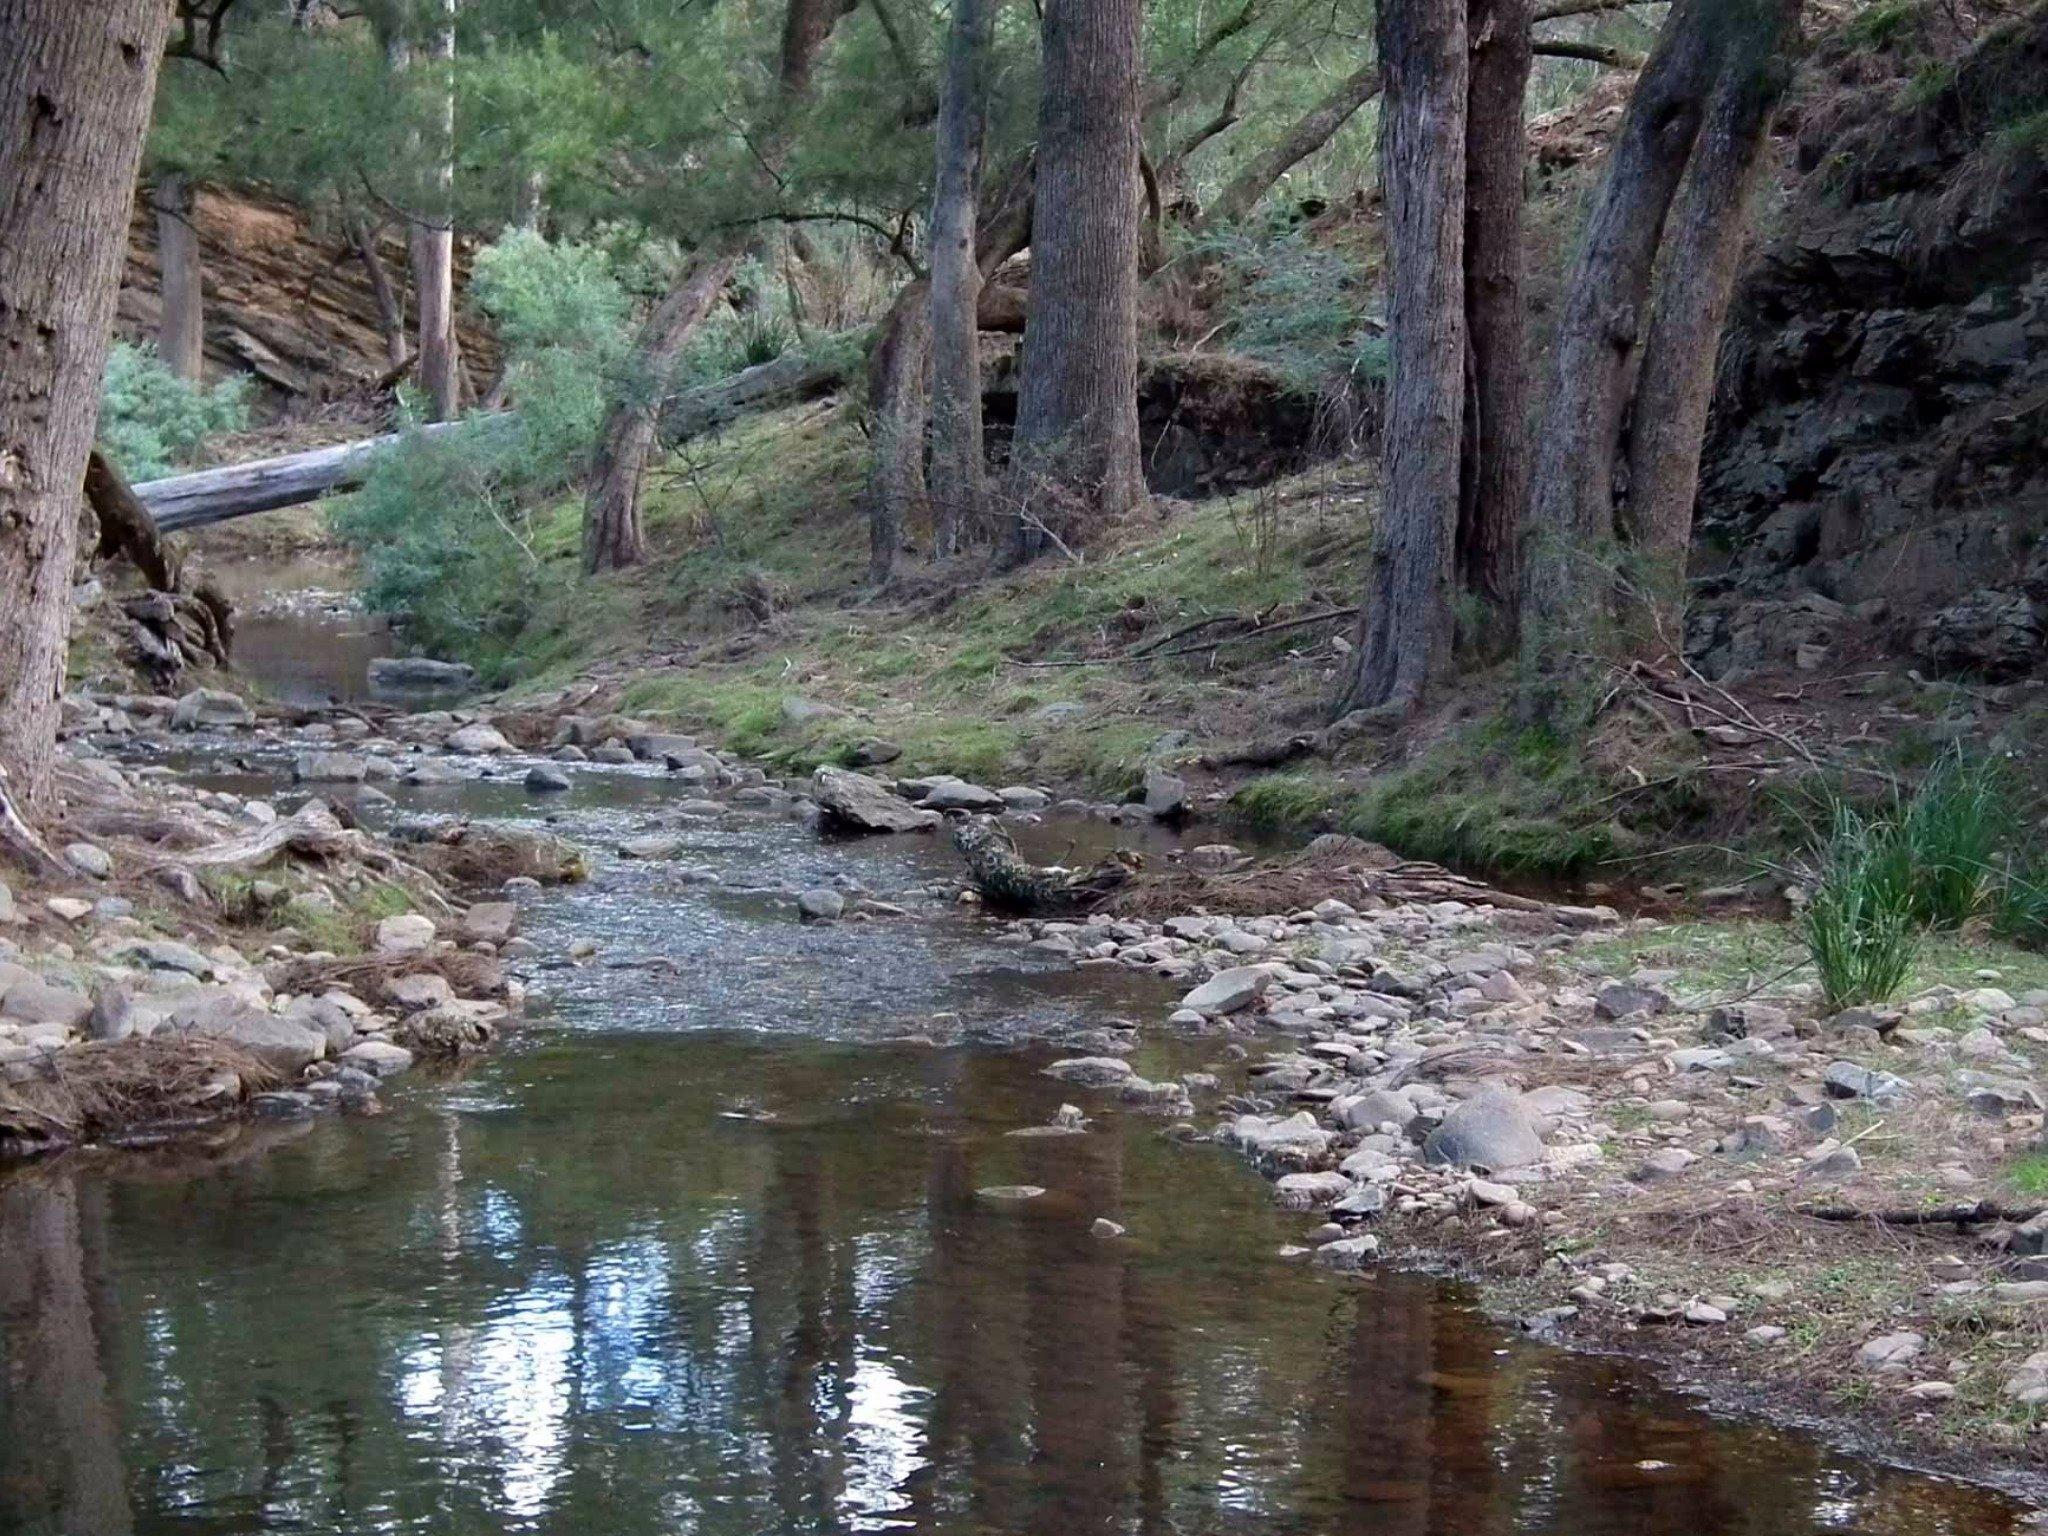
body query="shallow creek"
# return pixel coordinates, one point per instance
(698, 1250)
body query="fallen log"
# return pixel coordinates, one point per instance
(265, 485)
(236, 490)
(1009, 884)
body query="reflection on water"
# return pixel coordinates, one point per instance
(689, 1257)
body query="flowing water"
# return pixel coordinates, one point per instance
(700, 1249)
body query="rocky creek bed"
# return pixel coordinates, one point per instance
(1621, 1157)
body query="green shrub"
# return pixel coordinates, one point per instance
(1951, 829)
(444, 525)
(1299, 308)
(1859, 924)
(152, 421)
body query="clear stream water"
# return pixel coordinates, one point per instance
(697, 1251)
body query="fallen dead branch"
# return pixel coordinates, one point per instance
(1977, 1214)
(1007, 882)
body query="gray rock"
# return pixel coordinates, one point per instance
(821, 905)
(543, 780)
(93, 862)
(1309, 1191)
(279, 1043)
(1664, 1163)
(380, 1058)
(1622, 999)
(489, 922)
(209, 709)
(1022, 797)
(419, 674)
(113, 1012)
(329, 768)
(1492, 1130)
(1349, 1253)
(406, 934)
(164, 955)
(326, 1017)
(1166, 795)
(1846, 1080)
(1369, 1111)
(958, 795)
(478, 739)
(1228, 991)
(1091, 1071)
(1833, 1162)
(6, 902)
(874, 753)
(1994, 633)
(1891, 1353)
(853, 802)
(37, 1002)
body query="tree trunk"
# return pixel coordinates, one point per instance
(76, 82)
(1571, 506)
(433, 247)
(959, 491)
(1316, 128)
(899, 375)
(390, 309)
(1074, 458)
(1405, 623)
(181, 333)
(1708, 229)
(1495, 482)
(612, 538)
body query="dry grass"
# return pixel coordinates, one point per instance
(99, 1089)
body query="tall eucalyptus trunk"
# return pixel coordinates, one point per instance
(76, 83)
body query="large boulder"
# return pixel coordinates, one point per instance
(330, 768)
(959, 795)
(1166, 795)
(285, 1045)
(853, 802)
(419, 674)
(1995, 633)
(407, 934)
(477, 739)
(1493, 1129)
(1228, 991)
(489, 922)
(38, 1002)
(209, 709)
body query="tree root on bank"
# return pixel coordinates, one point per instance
(1010, 884)
(178, 623)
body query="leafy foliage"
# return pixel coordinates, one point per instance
(1300, 307)
(444, 525)
(152, 421)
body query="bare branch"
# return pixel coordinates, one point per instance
(1592, 53)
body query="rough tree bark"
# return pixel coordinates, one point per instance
(612, 538)
(181, 334)
(1703, 246)
(76, 84)
(611, 507)
(1075, 453)
(899, 374)
(433, 245)
(1571, 502)
(1405, 623)
(1495, 482)
(1315, 129)
(959, 491)
(390, 308)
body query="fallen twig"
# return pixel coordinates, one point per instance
(1947, 1215)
